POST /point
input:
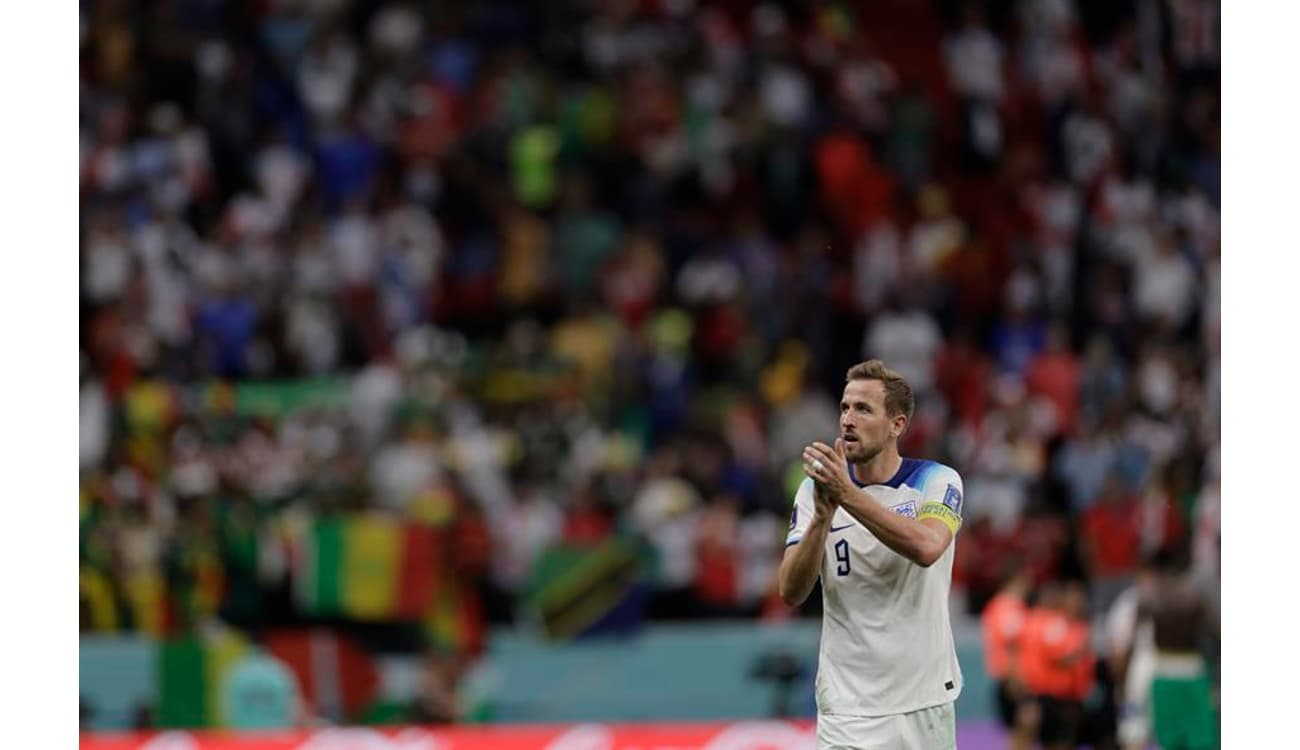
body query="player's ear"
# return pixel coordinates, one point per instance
(899, 425)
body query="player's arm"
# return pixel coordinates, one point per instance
(806, 545)
(923, 539)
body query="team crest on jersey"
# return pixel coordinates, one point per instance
(905, 509)
(952, 498)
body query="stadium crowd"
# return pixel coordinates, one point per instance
(542, 274)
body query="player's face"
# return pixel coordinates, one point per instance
(865, 428)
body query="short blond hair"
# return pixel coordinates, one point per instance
(899, 398)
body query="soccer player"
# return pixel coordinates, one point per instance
(1182, 710)
(878, 529)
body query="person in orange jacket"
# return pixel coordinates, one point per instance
(1084, 668)
(1003, 622)
(1056, 662)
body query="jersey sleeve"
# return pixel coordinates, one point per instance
(802, 512)
(943, 497)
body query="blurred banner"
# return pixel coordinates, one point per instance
(747, 735)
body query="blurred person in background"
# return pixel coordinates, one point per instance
(1003, 622)
(1110, 541)
(1130, 643)
(878, 531)
(1183, 714)
(1091, 689)
(1056, 662)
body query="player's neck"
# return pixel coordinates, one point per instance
(880, 468)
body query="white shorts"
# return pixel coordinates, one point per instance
(933, 728)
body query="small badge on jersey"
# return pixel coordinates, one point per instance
(948, 685)
(952, 498)
(794, 517)
(905, 509)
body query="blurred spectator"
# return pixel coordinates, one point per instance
(584, 237)
(1050, 51)
(877, 265)
(226, 326)
(1164, 288)
(1086, 142)
(974, 61)
(666, 511)
(1084, 463)
(1056, 662)
(1003, 622)
(402, 470)
(1054, 375)
(908, 338)
(94, 426)
(937, 235)
(1020, 335)
(1182, 711)
(1111, 540)
(532, 526)
(1102, 379)
(800, 421)
(964, 377)
(717, 575)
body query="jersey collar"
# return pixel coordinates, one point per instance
(905, 468)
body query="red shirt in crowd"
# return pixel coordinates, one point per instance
(1055, 376)
(962, 372)
(1111, 535)
(716, 550)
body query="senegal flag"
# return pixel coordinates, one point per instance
(367, 567)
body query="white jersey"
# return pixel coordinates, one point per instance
(1124, 631)
(886, 643)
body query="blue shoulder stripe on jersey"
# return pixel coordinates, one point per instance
(911, 472)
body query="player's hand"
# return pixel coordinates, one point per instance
(828, 469)
(823, 506)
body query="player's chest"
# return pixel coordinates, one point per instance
(852, 550)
